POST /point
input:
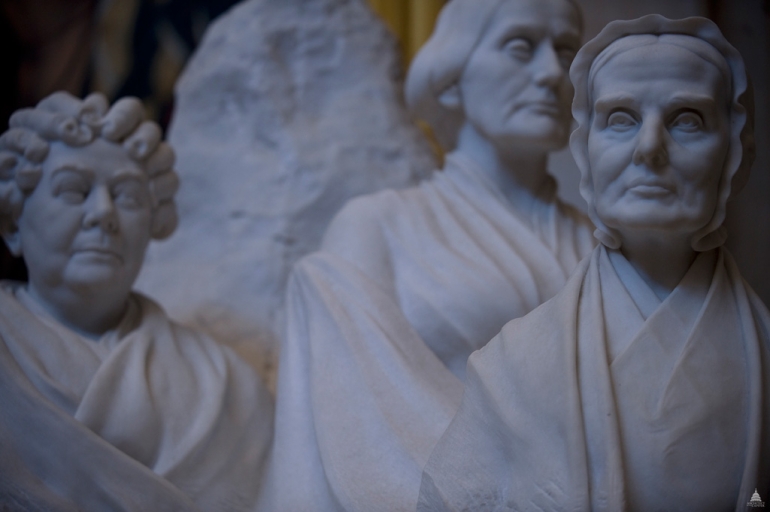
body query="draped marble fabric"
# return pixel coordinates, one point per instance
(151, 416)
(605, 398)
(381, 322)
(456, 258)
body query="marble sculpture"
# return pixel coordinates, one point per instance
(644, 384)
(106, 403)
(408, 283)
(286, 110)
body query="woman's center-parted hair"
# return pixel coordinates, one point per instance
(63, 117)
(441, 61)
(701, 37)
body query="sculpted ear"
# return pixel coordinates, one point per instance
(451, 98)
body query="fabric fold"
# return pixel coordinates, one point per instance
(677, 422)
(381, 321)
(168, 420)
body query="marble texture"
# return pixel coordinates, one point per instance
(408, 283)
(285, 111)
(597, 13)
(643, 384)
(107, 404)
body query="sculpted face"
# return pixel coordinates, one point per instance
(515, 87)
(87, 223)
(658, 140)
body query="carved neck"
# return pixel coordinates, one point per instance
(89, 314)
(662, 261)
(519, 173)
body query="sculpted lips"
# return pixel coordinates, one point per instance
(545, 107)
(99, 252)
(646, 187)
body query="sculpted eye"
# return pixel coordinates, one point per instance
(130, 194)
(519, 47)
(621, 121)
(73, 196)
(688, 122)
(72, 189)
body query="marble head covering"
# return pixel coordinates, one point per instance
(442, 59)
(703, 38)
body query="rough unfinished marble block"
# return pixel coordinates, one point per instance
(288, 109)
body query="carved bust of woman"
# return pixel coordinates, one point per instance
(643, 384)
(83, 204)
(486, 239)
(408, 283)
(107, 403)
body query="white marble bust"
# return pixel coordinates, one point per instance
(408, 283)
(643, 384)
(107, 404)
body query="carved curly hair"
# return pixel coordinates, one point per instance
(63, 117)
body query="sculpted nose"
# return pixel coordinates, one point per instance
(101, 211)
(651, 145)
(548, 68)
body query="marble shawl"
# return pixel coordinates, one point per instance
(607, 399)
(381, 322)
(152, 416)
